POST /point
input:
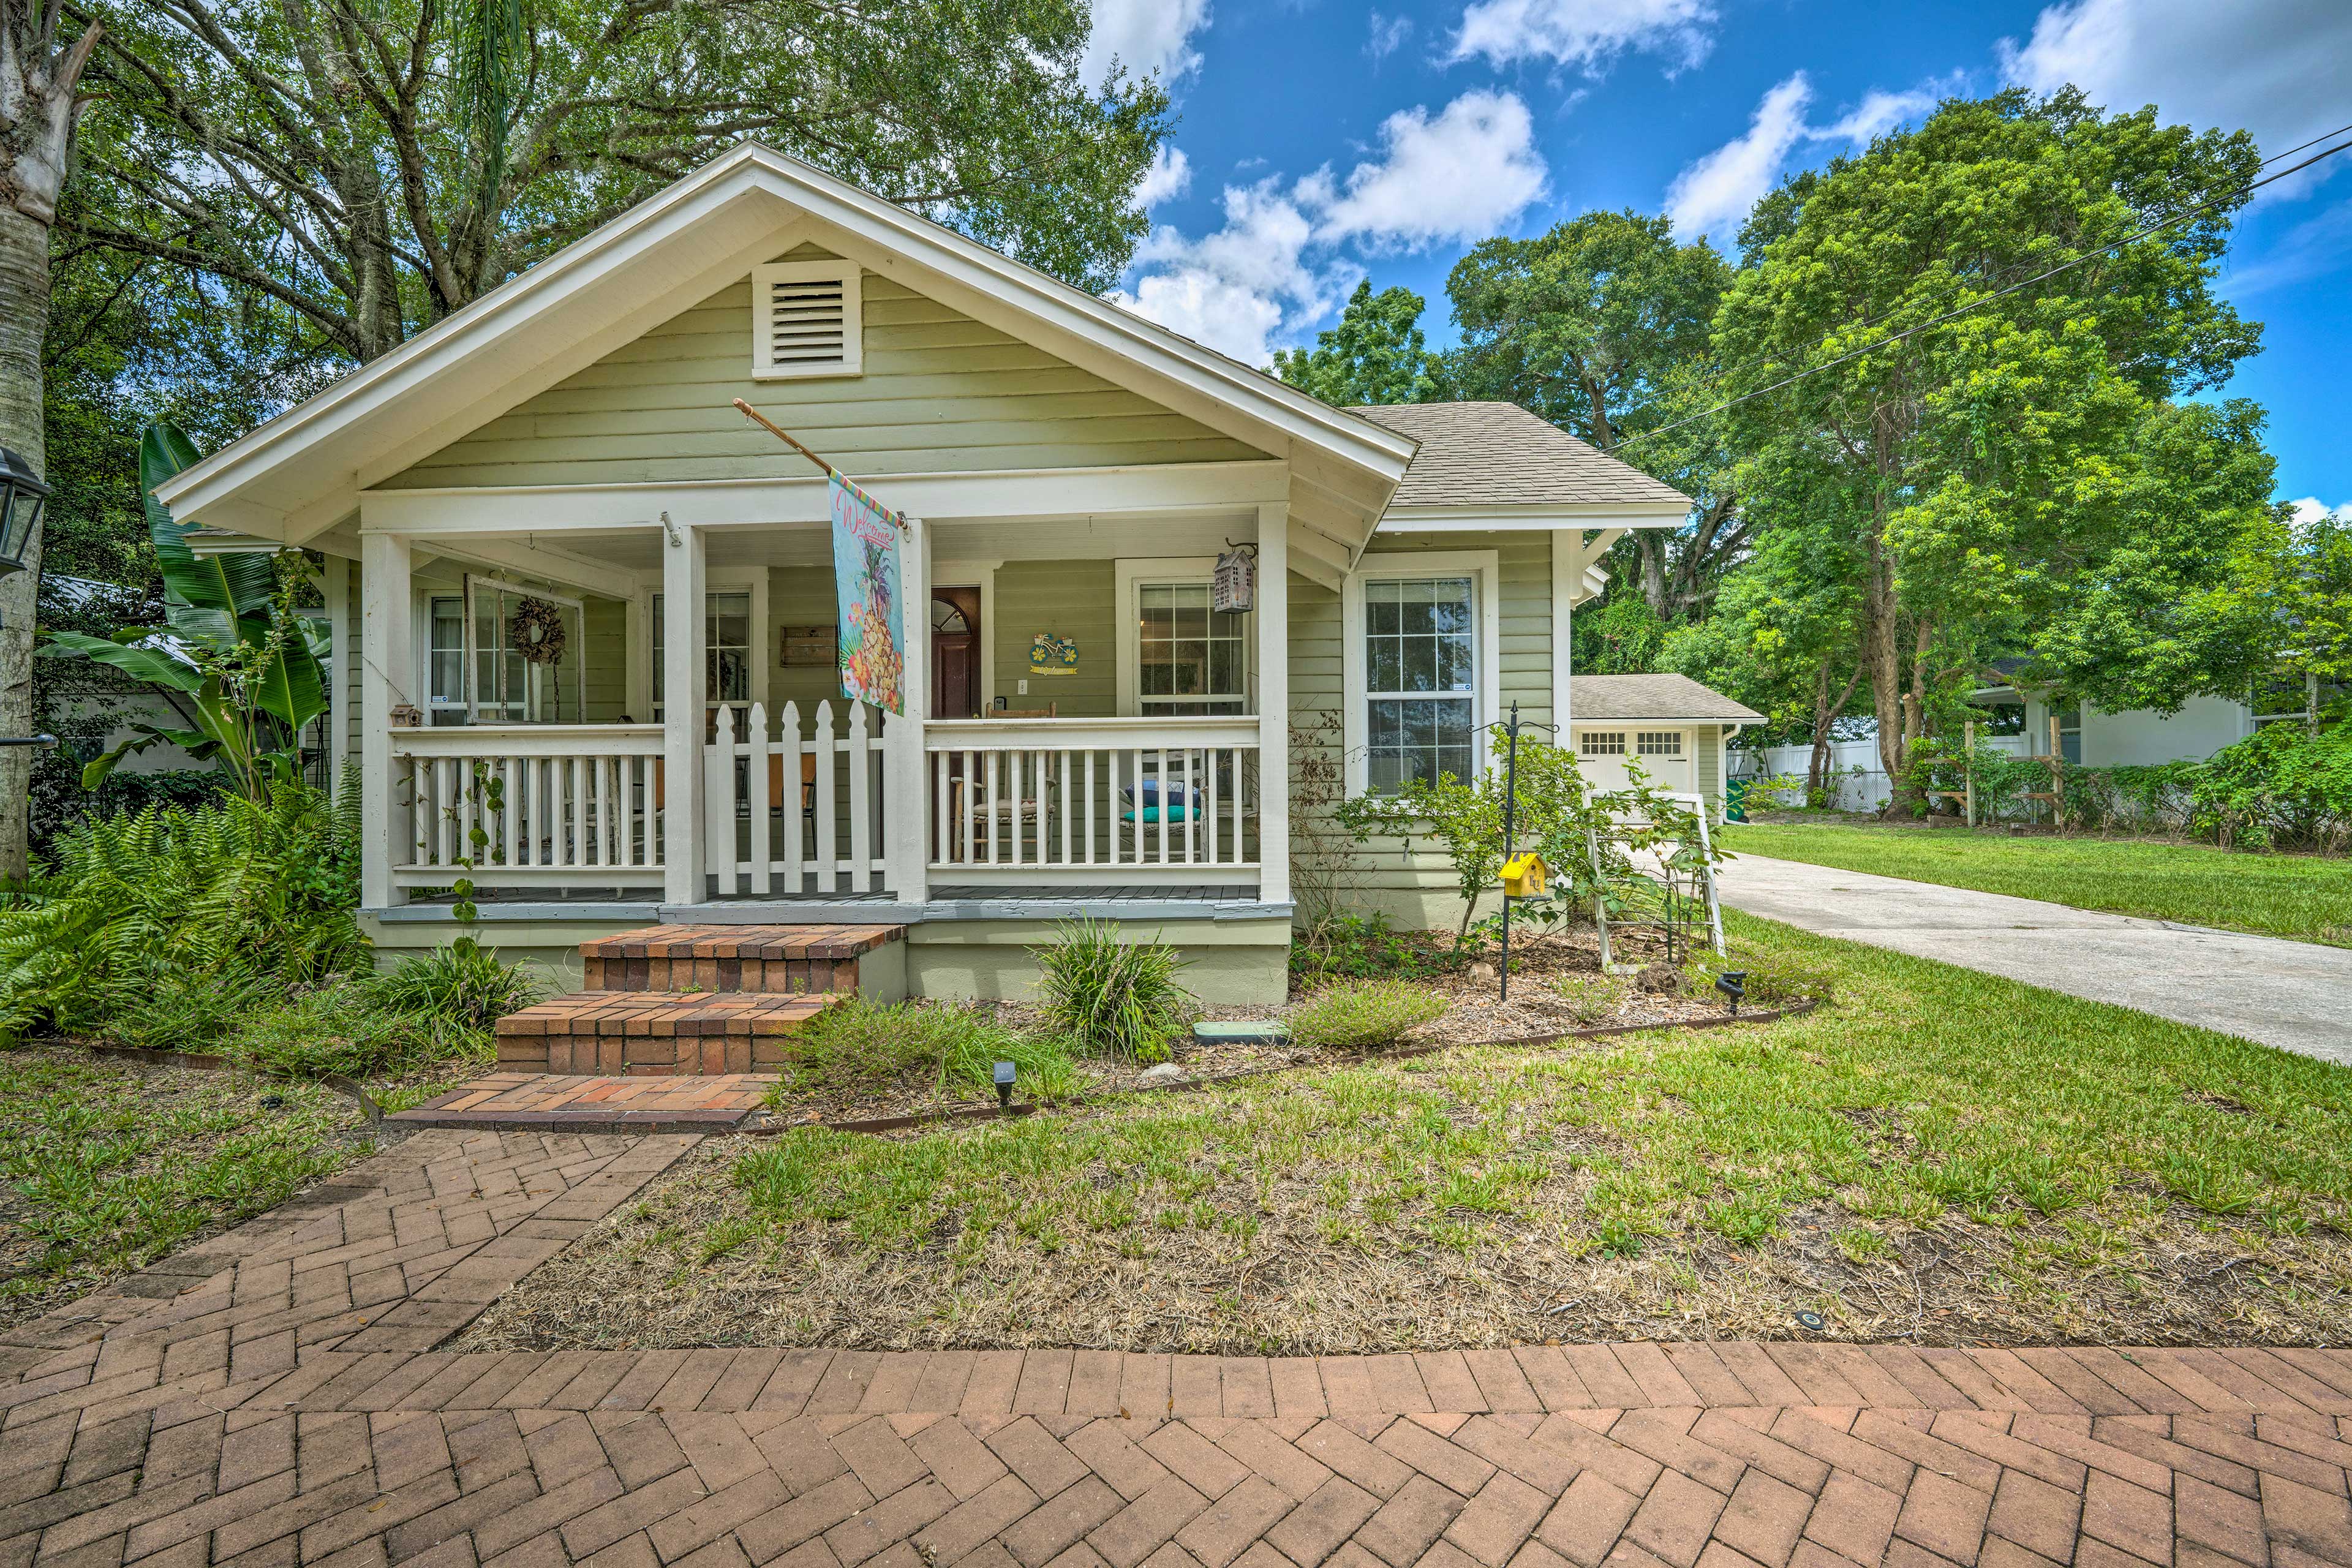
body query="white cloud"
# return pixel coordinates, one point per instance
(1387, 37)
(2311, 509)
(1284, 258)
(1587, 34)
(1147, 36)
(1454, 177)
(1714, 195)
(2319, 245)
(2276, 67)
(1170, 176)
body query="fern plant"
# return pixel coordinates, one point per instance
(168, 913)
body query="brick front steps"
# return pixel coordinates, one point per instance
(764, 959)
(624, 1032)
(690, 1000)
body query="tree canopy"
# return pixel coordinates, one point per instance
(1997, 476)
(1376, 354)
(332, 156)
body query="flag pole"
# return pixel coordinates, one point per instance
(786, 437)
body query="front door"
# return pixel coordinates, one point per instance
(955, 653)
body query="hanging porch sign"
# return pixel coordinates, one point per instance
(1234, 589)
(865, 581)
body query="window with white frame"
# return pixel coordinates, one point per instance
(1191, 658)
(727, 658)
(445, 643)
(1658, 744)
(1420, 679)
(1601, 742)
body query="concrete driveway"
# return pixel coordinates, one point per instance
(2292, 994)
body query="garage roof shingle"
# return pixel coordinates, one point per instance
(1606, 697)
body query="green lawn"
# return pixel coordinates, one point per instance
(106, 1164)
(1941, 1155)
(2299, 896)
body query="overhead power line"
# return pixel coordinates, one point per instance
(2176, 219)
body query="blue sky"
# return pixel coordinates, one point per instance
(1324, 142)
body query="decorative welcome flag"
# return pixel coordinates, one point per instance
(865, 581)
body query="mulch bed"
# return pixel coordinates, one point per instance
(1537, 1011)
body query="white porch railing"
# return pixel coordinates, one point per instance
(1078, 799)
(572, 805)
(795, 812)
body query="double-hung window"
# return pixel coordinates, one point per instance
(1420, 679)
(726, 650)
(1191, 658)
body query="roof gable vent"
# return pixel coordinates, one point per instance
(806, 320)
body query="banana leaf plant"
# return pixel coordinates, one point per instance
(234, 652)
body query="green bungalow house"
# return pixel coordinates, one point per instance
(585, 609)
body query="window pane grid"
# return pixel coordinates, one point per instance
(1420, 675)
(1601, 742)
(1659, 744)
(1190, 656)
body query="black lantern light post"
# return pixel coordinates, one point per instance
(21, 496)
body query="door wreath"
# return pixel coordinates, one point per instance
(537, 631)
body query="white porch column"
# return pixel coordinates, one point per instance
(1273, 701)
(337, 588)
(686, 692)
(905, 789)
(387, 664)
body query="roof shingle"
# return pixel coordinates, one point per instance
(1607, 697)
(1498, 454)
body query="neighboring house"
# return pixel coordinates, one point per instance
(2016, 719)
(2096, 739)
(1671, 726)
(1071, 473)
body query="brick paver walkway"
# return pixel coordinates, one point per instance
(271, 1400)
(580, 1102)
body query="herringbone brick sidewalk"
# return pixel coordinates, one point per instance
(272, 1401)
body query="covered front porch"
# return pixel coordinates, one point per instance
(706, 767)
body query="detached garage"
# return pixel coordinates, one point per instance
(1669, 724)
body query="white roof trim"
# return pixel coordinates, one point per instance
(1559, 515)
(592, 290)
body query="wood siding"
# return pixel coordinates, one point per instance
(1411, 882)
(940, 392)
(1073, 599)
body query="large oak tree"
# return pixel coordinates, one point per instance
(372, 165)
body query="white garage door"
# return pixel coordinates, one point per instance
(1665, 755)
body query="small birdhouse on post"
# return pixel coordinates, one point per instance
(1523, 877)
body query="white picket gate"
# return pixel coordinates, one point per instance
(788, 813)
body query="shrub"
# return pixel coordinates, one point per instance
(460, 986)
(1362, 1014)
(1591, 997)
(1111, 997)
(858, 1043)
(344, 1027)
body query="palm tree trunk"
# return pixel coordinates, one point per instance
(38, 110)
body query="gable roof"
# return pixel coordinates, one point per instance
(1607, 697)
(301, 473)
(1498, 454)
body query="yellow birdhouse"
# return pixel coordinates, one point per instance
(1523, 877)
